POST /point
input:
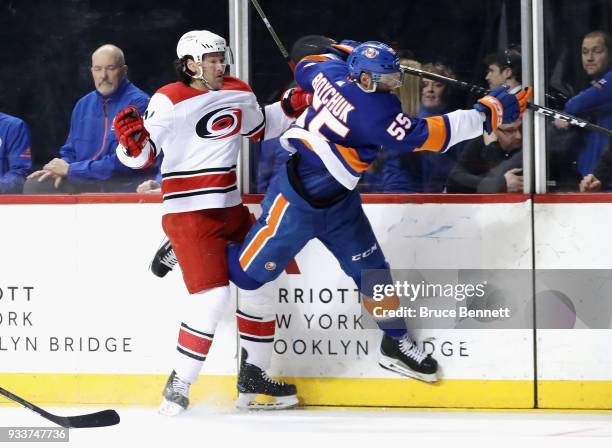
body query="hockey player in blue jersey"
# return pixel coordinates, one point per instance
(353, 114)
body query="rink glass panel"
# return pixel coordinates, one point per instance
(47, 67)
(458, 35)
(566, 23)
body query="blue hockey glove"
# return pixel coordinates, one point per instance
(499, 107)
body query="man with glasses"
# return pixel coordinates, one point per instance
(87, 162)
(495, 167)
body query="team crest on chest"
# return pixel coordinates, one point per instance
(220, 123)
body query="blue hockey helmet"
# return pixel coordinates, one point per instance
(376, 59)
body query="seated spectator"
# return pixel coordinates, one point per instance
(504, 68)
(490, 168)
(87, 161)
(15, 153)
(601, 179)
(423, 172)
(593, 104)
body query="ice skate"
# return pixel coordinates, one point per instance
(176, 396)
(404, 357)
(164, 259)
(256, 390)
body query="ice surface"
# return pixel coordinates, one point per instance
(211, 426)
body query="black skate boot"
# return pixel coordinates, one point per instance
(254, 384)
(176, 396)
(164, 259)
(404, 357)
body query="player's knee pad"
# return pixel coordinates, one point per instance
(258, 302)
(236, 274)
(205, 308)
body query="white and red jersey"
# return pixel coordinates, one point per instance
(199, 132)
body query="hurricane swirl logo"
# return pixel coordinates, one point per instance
(220, 123)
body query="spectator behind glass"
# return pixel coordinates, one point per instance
(423, 172)
(87, 161)
(15, 153)
(595, 105)
(504, 68)
(495, 167)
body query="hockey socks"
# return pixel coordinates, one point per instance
(192, 347)
(256, 326)
(201, 313)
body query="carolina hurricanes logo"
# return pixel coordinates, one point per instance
(220, 123)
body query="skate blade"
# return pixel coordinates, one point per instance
(170, 409)
(265, 402)
(392, 365)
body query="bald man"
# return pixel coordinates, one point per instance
(87, 162)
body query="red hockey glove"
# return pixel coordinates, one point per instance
(130, 131)
(295, 101)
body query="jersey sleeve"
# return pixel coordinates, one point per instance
(397, 130)
(597, 98)
(258, 124)
(307, 69)
(253, 118)
(158, 121)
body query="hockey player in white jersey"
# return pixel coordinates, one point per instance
(198, 124)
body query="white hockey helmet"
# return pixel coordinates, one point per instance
(200, 42)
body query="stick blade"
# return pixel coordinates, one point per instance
(108, 417)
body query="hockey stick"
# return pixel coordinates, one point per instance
(551, 113)
(97, 419)
(279, 44)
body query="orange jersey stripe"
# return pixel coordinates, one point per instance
(266, 232)
(315, 57)
(306, 144)
(436, 135)
(351, 157)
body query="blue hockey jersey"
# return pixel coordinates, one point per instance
(594, 104)
(340, 134)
